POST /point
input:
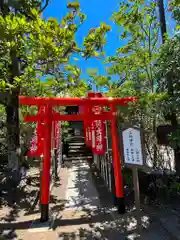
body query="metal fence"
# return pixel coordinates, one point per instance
(56, 159)
(104, 164)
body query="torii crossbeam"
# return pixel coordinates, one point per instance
(49, 115)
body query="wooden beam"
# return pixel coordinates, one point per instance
(39, 101)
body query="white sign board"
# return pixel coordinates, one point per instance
(132, 146)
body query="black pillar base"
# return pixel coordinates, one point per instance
(121, 206)
(44, 212)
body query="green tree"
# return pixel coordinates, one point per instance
(134, 64)
(97, 82)
(174, 7)
(170, 77)
(31, 48)
(139, 25)
(148, 70)
(23, 6)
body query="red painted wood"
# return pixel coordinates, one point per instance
(88, 117)
(116, 157)
(45, 181)
(58, 117)
(98, 133)
(36, 148)
(57, 134)
(74, 101)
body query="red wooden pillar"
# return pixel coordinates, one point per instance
(117, 163)
(40, 128)
(45, 181)
(53, 135)
(88, 123)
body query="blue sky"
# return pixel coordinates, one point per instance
(97, 11)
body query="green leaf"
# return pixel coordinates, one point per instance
(76, 59)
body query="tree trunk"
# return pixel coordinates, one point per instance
(162, 19)
(13, 130)
(12, 114)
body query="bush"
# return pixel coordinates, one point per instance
(156, 185)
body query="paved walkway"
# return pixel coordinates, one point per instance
(80, 212)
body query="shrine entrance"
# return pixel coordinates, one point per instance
(95, 109)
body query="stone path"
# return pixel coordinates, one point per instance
(79, 212)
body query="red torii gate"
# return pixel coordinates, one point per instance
(49, 115)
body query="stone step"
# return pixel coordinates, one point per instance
(76, 155)
(76, 139)
(70, 158)
(76, 147)
(76, 150)
(76, 144)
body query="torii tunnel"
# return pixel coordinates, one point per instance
(49, 115)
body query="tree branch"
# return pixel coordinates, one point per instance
(23, 12)
(45, 6)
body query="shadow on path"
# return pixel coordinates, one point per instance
(98, 219)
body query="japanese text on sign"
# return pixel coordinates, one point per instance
(33, 144)
(132, 146)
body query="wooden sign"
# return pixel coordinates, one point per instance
(133, 152)
(98, 129)
(36, 143)
(132, 146)
(33, 145)
(98, 139)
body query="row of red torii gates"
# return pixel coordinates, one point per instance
(47, 117)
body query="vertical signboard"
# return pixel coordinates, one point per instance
(33, 144)
(87, 127)
(95, 130)
(57, 135)
(36, 143)
(132, 146)
(100, 140)
(133, 154)
(99, 135)
(89, 136)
